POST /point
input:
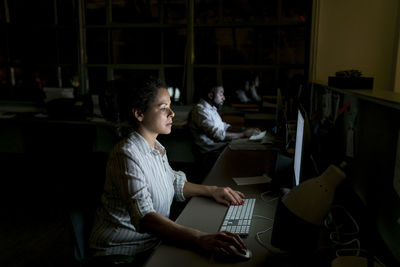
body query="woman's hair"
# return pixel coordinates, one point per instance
(137, 93)
(141, 95)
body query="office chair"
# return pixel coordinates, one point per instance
(81, 222)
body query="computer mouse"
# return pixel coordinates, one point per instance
(240, 255)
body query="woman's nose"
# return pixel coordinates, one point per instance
(171, 113)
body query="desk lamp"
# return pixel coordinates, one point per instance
(301, 211)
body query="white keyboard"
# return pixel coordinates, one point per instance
(238, 218)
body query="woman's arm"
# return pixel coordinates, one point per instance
(224, 195)
(158, 225)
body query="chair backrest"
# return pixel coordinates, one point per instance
(81, 223)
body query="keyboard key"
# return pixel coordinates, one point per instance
(238, 218)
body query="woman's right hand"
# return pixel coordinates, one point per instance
(220, 243)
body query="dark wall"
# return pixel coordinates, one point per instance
(368, 190)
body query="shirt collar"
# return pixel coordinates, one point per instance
(207, 105)
(144, 146)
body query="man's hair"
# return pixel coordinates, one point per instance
(207, 86)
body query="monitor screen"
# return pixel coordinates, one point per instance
(298, 152)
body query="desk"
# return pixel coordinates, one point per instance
(206, 215)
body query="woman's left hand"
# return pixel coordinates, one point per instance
(228, 196)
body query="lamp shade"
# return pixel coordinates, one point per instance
(301, 211)
(312, 199)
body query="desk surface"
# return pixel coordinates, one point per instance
(206, 215)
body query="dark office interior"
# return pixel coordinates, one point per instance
(58, 57)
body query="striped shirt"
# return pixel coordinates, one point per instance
(207, 128)
(139, 180)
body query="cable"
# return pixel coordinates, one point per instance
(269, 200)
(258, 239)
(351, 218)
(348, 243)
(262, 217)
(336, 235)
(315, 165)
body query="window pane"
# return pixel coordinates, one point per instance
(68, 43)
(132, 11)
(292, 46)
(95, 12)
(134, 75)
(265, 43)
(96, 43)
(294, 11)
(44, 48)
(65, 12)
(234, 80)
(2, 14)
(250, 11)
(268, 84)
(174, 46)
(244, 45)
(174, 77)
(236, 11)
(289, 81)
(175, 11)
(37, 12)
(67, 75)
(234, 45)
(203, 78)
(247, 45)
(3, 46)
(136, 46)
(41, 50)
(48, 76)
(205, 48)
(206, 11)
(97, 80)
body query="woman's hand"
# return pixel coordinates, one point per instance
(227, 196)
(220, 243)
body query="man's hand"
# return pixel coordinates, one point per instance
(251, 131)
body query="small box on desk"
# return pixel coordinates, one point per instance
(351, 82)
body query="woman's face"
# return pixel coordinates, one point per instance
(158, 117)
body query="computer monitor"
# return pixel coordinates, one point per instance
(298, 152)
(302, 147)
(291, 170)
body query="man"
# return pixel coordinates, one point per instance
(209, 132)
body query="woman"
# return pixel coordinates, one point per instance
(140, 187)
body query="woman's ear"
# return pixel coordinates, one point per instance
(138, 114)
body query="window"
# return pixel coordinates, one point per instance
(52, 41)
(39, 47)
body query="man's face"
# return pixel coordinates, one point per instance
(218, 97)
